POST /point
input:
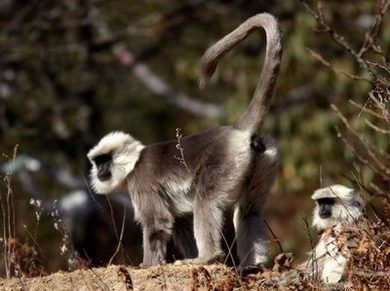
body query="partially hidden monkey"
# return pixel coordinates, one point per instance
(337, 208)
(206, 174)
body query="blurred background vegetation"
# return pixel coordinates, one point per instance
(71, 71)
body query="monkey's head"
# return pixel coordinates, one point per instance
(112, 159)
(336, 205)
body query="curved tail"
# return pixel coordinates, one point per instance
(254, 115)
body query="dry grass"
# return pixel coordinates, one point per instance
(367, 245)
(369, 269)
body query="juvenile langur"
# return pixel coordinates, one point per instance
(207, 173)
(337, 207)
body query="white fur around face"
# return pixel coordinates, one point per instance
(345, 210)
(125, 152)
(335, 191)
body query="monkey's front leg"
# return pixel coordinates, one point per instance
(155, 240)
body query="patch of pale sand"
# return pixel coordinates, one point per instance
(167, 277)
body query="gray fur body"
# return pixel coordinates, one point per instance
(207, 173)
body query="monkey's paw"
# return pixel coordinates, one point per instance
(214, 258)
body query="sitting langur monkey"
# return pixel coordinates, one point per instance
(206, 173)
(337, 207)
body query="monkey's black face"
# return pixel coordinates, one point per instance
(103, 165)
(325, 206)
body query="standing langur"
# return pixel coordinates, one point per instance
(206, 173)
(337, 207)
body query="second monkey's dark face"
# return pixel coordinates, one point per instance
(325, 206)
(103, 165)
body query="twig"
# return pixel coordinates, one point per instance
(112, 217)
(368, 147)
(318, 57)
(9, 220)
(312, 260)
(372, 33)
(349, 146)
(365, 109)
(120, 238)
(229, 248)
(32, 237)
(383, 193)
(376, 128)
(274, 236)
(337, 38)
(359, 156)
(5, 237)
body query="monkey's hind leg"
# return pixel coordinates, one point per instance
(249, 223)
(208, 223)
(215, 184)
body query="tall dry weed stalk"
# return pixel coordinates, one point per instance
(20, 258)
(9, 222)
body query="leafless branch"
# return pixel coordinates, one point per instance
(372, 33)
(337, 38)
(120, 237)
(368, 43)
(274, 236)
(370, 150)
(376, 128)
(153, 82)
(365, 109)
(318, 57)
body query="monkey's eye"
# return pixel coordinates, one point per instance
(103, 159)
(326, 201)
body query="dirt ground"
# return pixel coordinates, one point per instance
(366, 245)
(168, 277)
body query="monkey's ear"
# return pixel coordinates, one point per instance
(359, 199)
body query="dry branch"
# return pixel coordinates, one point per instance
(153, 82)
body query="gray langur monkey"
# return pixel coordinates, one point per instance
(336, 208)
(205, 174)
